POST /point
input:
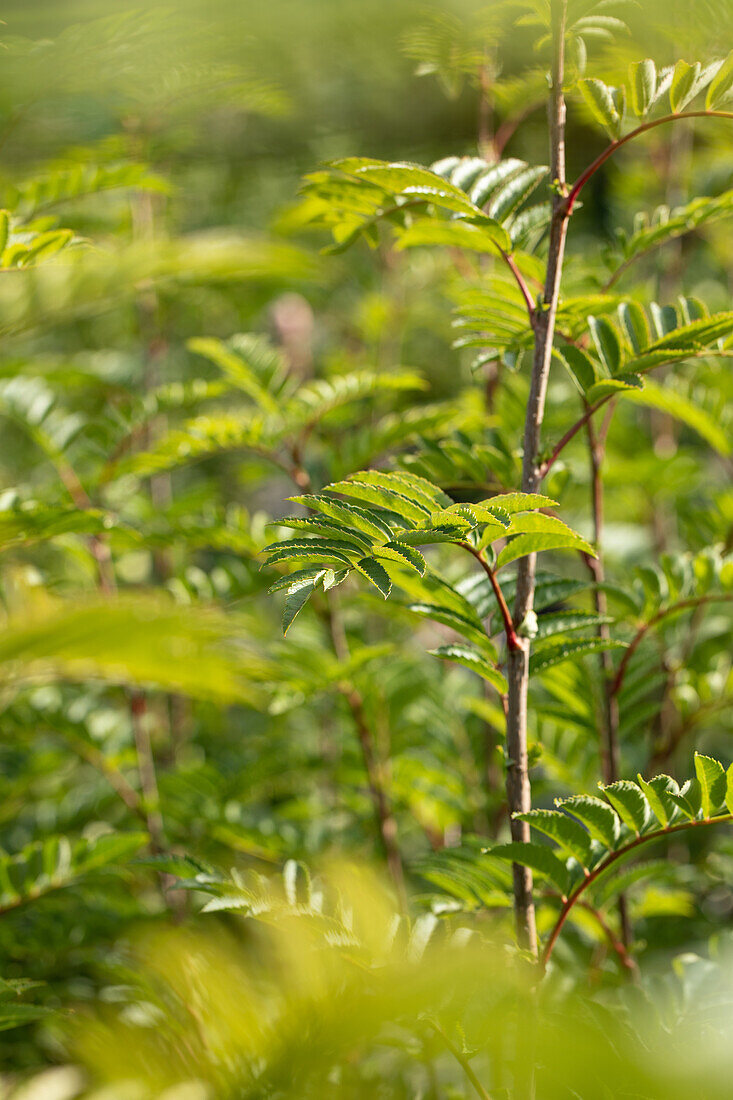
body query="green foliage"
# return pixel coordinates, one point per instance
(593, 836)
(407, 511)
(650, 92)
(184, 753)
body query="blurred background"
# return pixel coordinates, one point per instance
(175, 737)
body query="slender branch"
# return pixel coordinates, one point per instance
(146, 770)
(509, 126)
(512, 640)
(614, 857)
(521, 283)
(615, 943)
(619, 142)
(462, 1060)
(546, 466)
(382, 810)
(384, 818)
(673, 609)
(623, 268)
(662, 755)
(113, 775)
(519, 795)
(570, 434)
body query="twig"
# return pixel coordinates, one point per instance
(661, 757)
(546, 466)
(574, 897)
(511, 263)
(512, 640)
(673, 609)
(384, 818)
(113, 775)
(462, 1060)
(619, 142)
(616, 944)
(146, 769)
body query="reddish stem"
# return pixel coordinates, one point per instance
(682, 605)
(611, 149)
(592, 409)
(512, 640)
(521, 283)
(615, 943)
(570, 901)
(570, 434)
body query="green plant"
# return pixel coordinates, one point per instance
(607, 358)
(439, 407)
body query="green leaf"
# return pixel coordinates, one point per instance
(582, 368)
(470, 628)
(539, 857)
(526, 523)
(409, 180)
(313, 549)
(484, 236)
(691, 792)
(729, 789)
(607, 343)
(297, 597)
(403, 554)
(519, 502)
(384, 490)
(721, 88)
(527, 227)
(522, 545)
(634, 322)
(642, 85)
(599, 99)
(475, 661)
(291, 578)
(610, 386)
(699, 334)
(684, 86)
(600, 820)
(629, 803)
(510, 197)
(443, 532)
(416, 489)
(566, 622)
(713, 784)
(420, 489)
(664, 320)
(494, 178)
(548, 655)
(318, 525)
(473, 515)
(375, 573)
(660, 792)
(234, 366)
(568, 833)
(347, 515)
